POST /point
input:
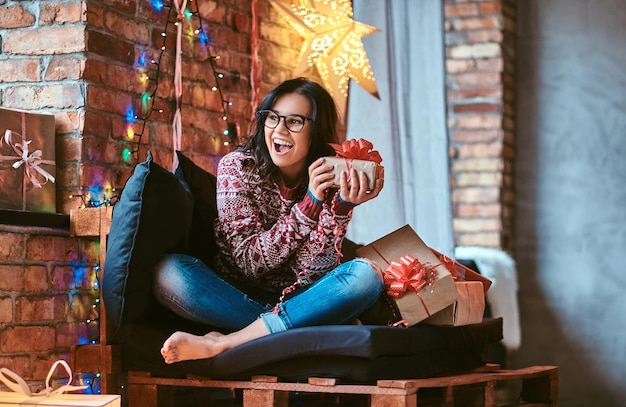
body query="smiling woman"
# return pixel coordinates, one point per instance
(280, 229)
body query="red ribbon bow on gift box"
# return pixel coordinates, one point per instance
(407, 273)
(31, 161)
(357, 150)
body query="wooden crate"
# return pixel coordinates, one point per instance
(539, 388)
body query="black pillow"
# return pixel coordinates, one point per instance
(152, 217)
(201, 184)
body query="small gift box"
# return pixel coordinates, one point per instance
(22, 396)
(468, 309)
(27, 161)
(416, 281)
(358, 155)
(462, 273)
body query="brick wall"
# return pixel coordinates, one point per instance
(47, 293)
(480, 64)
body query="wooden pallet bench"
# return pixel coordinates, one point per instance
(539, 388)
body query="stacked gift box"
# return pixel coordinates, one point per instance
(27, 154)
(423, 285)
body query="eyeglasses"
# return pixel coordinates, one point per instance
(293, 122)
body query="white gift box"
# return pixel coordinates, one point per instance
(11, 399)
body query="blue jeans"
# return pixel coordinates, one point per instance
(192, 290)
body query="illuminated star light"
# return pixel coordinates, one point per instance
(332, 43)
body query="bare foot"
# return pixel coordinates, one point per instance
(181, 346)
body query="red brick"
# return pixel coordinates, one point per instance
(6, 310)
(95, 71)
(20, 70)
(97, 124)
(20, 365)
(98, 150)
(108, 100)
(109, 46)
(490, 240)
(51, 248)
(45, 40)
(490, 7)
(476, 107)
(70, 334)
(11, 247)
(35, 279)
(26, 339)
(45, 96)
(125, 6)
(477, 164)
(67, 122)
(42, 363)
(484, 179)
(487, 92)
(64, 68)
(15, 17)
(459, 10)
(61, 13)
(94, 14)
(127, 28)
(91, 250)
(478, 121)
(490, 64)
(480, 210)
(94, 175)
(477, 224)
(34, 309)
(476, 195)
(477, 79)
(459, 66)
(476, 23)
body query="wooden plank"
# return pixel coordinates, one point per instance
(322, 381)
(378, 400)
(265, 398)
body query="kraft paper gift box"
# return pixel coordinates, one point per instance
(10, 399)
(461, 272)
(356, 154)
(468, 309)
(414, 307)
(27, 155)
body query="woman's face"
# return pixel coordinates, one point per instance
(289, 149)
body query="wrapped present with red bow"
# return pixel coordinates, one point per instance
(356, 154)
(417, 284)
(27, 161)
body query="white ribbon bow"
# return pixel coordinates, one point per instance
(31, 161)
(18, 385)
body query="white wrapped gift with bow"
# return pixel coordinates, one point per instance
(20, 394)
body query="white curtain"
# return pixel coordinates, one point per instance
(408, 124)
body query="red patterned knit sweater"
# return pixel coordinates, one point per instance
(271, 236)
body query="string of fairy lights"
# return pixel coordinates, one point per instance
(150, 72)
(148, 96)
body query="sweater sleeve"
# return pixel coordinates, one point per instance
(258, 247)
(322, 253)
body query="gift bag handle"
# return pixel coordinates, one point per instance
(18, 385)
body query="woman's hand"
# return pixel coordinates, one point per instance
(320, 178)
(356, 191)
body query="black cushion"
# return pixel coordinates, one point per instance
(158, 212)
(352, 353)
(152, 217)
(201, 184)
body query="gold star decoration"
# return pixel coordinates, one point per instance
(332, 43)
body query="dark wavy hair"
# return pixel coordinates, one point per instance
(324, 115)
